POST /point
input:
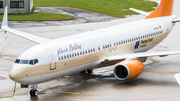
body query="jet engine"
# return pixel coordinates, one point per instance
(129, 69)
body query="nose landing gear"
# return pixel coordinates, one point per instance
(34, 92)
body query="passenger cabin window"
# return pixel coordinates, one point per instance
(72, 55)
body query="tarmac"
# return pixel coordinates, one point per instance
(156, 83)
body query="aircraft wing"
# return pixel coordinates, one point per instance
(25, 35)
(177, 77)
(115, 59)
(140, 12)
(176, 20)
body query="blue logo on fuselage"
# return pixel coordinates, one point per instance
(137, 44)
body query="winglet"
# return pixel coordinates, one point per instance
(24, 35)
(164, 9)
(5, 17)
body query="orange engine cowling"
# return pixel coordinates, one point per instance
(128, 69)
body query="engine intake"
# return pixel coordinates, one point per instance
(130, 69)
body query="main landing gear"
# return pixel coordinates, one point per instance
(87, 71)
(34, 92)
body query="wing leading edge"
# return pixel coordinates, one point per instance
(25, 35)
(138, 55)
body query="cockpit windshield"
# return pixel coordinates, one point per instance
(17, 61)
(31, 62)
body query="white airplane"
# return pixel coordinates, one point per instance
(123, 46)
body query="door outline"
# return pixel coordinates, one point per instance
(110, 47)
(52, 59)
(115, 45)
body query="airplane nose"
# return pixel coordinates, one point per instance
(15, 73)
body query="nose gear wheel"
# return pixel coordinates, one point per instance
(34, 92)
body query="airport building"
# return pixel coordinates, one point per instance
(16, 6)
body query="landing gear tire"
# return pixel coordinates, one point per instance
(34, 92)
(90, 71)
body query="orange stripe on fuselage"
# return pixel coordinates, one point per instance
(165, 9)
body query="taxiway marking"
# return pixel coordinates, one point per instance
(68, 92)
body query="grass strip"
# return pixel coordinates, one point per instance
(109, 7)
(38, 17)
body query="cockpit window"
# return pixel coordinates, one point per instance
(31, 62)
(17, 61)
(24, 62)
(35, 61)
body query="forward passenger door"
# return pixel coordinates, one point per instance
(51, 59)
